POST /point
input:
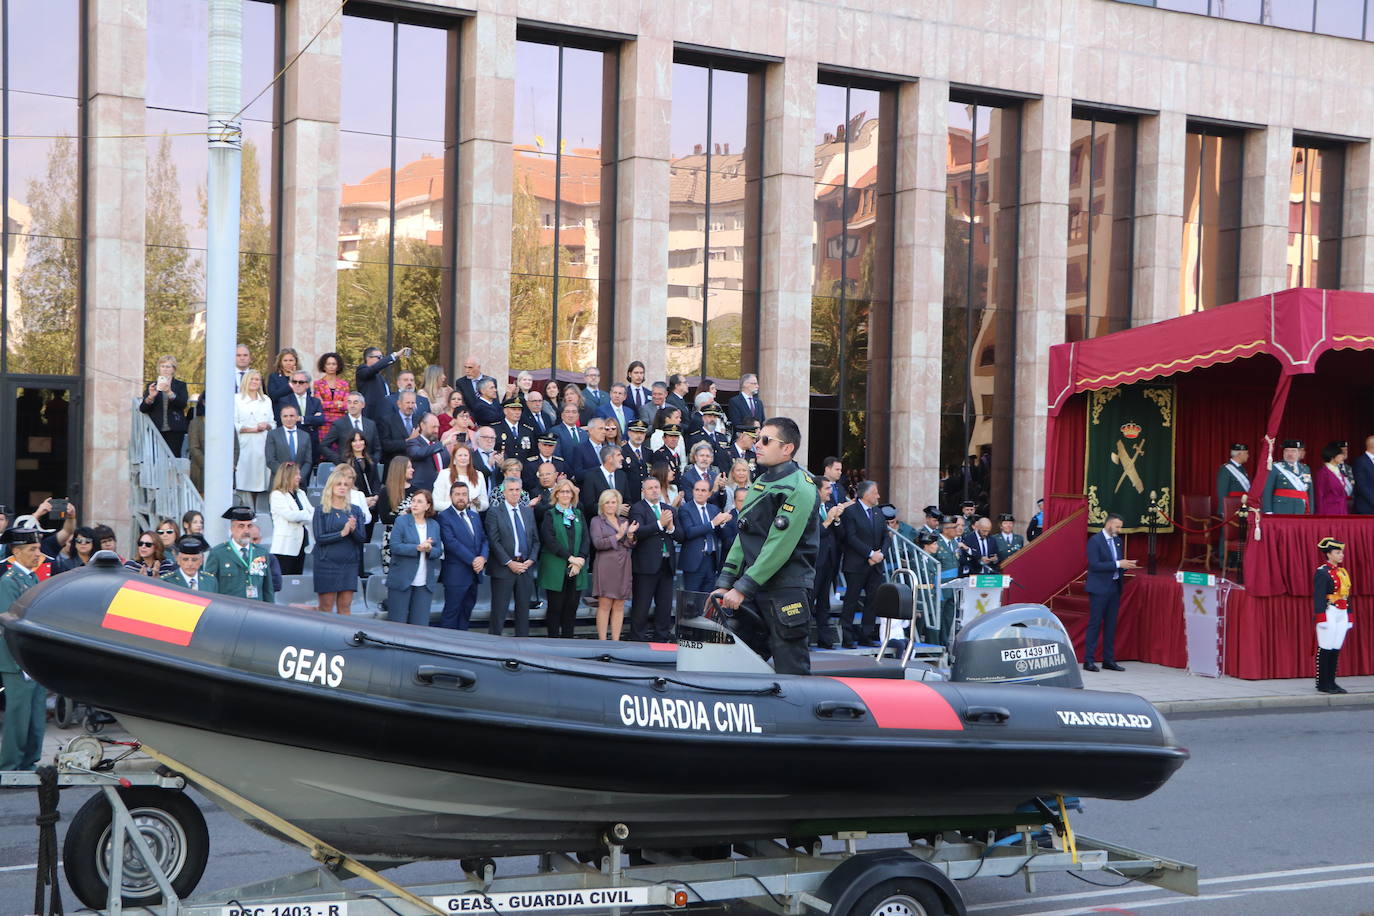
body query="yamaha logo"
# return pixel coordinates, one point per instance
(1022, 666)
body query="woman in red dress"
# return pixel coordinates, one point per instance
(332, 390)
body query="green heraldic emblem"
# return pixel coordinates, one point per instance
(1130, 461)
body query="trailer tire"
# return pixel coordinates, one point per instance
(169, 821)
(899, 897)
(65, 711)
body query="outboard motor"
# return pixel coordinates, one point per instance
(1016, 644)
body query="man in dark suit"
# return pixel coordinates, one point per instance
(701, 521)
(397, 426)
(636, 395)
(658, 399)
(616, 409)
(308, 407)
(370, 381)
(652, 563)
(863, 534)
(746, 405)
(636, 453)
(570, 434)
(587, 454)
(1106, 563)
(289, 442)
(608, 475)
(529, 472)
(1363, 466)
(471, 379)
(465, 556)
(982, 549)
(513, 546)
(335, 445)
(677, 395)
(485, 409)
(827, 560)
(484, 455)
(405, 381)
(427, 454)
(514, 438)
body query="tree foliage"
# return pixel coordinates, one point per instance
(532, 295)
(44, 313)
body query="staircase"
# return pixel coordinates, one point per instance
(1071, 605)
(160, 482)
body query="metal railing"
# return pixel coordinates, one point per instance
(904, 561)
(160, 482)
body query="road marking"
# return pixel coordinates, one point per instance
(17, 867)
(1205, 882)
(1180, 900)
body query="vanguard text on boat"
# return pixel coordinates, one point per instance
(394, 742)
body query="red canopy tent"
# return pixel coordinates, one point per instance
(1295, 364)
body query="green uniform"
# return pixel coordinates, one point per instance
(1232, 481)
(26, 715)
(234, 576)
(1007, 544)
(773, 560)
(1281, 490)
(204, 581)
(948, 554)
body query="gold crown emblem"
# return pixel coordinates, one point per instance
(1131, 430)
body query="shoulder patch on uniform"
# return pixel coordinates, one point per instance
(788, 507)
(758, 486)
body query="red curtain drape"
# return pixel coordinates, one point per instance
(1283, 560)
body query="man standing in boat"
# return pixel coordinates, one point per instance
(772, 564)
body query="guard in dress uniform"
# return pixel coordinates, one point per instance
(667, 452)
(1347, 471)
(529, 472)
(518, 442)
(1007, 540)
(1232, 481)
(949, 553)
(26, 715)
(1288, 491)
(1331, 598)
(240, 567)
(932, 525)
(714, 434)
(189, 574)
(636, 453)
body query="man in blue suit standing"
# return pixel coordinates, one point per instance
(1105, 565)
(701, 553)
(465, 556)
(1363, 466)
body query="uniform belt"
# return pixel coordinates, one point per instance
(1291, 494)
(1240, 492)
(1340, 604)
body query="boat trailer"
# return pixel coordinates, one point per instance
(148, 834)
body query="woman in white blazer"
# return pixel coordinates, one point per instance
(291, 512)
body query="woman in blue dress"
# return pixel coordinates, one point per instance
(337, 529)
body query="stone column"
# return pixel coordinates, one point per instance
(641, 253)
(1357, 244)
(1264, 211)
(486, 113)
(1041, 277)
(918, 268)
(310, 180)
(116, 39)
(1161, 148)
(786, 239)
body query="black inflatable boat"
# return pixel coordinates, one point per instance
(395, 742)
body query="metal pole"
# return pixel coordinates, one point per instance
(222, 257)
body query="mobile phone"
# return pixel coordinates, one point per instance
(59, 506)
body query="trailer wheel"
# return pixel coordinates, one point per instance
(65, 712)
(173, 828)
(899, 897)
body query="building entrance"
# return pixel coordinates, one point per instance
(40, 432)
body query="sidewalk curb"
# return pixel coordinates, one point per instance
(1233, 704)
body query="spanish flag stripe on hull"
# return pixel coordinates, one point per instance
(149, 610)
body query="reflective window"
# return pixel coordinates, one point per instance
(1101, 219)
(178, 160)
(1315, 191)
(982, 175)
(563, 187)
(397, 170)
(1213, 176)
(713, 209)
(851, 272)
(1344, 18)
(40, 211)
(1341, 17)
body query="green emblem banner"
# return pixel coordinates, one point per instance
(1130, 461)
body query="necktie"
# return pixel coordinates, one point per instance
(244, 551)
(357, 424)
(710, 539)
(291, 442)
(658, 514)
(519, 526)
(982, 547)
(467, 520)
(239, 384)
(750, 402)
(573, 430)
(610, 480)
(407, 422)
(195, 584)
(1116, 572)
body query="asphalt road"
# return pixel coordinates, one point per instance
(1277, 810)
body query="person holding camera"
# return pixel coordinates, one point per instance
(165, 403)
(371, 380)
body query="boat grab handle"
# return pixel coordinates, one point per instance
(987, 714)
(831, 709)
(429, 674)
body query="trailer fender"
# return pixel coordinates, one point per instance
(859, 874)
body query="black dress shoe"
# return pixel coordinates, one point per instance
(828, 644)
(849, 644)
(1089, 666)
(1112, 666)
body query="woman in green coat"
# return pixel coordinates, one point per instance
(564, 547)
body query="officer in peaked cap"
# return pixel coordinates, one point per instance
(529, 472)
(514, 437)
(1288, 489)
(240, 567)
(26, 716)
(190, 555)
(635, 453)
(1331, 593)
(1007, 541)
(1232, 480)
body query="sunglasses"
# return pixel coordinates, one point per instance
(84, 541)
(165, 531)
(148, 544)
(767, 440)
(299, 381)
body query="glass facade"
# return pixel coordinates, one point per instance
(41, 197)
(1343, 18)
(1315, 192)
(178, 160)
(563, 194)
(1101, 227)
(714, 198)
(983, 185)
(1214, 172)
(851, 281)
(397, 165)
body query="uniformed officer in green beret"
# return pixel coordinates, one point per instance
(26, 714)
(239, 566)
(1288, 491)
(189, 574)
(772, 564)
